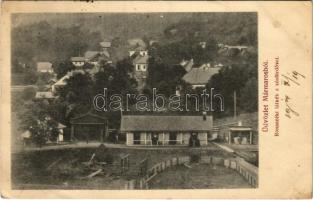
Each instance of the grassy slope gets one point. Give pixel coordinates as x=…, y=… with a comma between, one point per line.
x=32, y=167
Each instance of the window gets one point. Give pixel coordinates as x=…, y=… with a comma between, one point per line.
x=136, y=138
x=138, y=67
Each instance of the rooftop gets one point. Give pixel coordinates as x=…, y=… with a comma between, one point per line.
x=139, y=48
x=44, y=66
x=187, y=64
x=200, y=76
x=62, y=81
x=141, y=59
x=89, y=55
x=105, y=44
x=166, y=123
x=44, y=95
x=106, y=54
x=136, y=42
x=77, y=59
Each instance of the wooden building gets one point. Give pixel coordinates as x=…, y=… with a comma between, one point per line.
x=44, y=67
x=140, y=73
x=89, y=127
x=199, y=77
x=240, y=135
x=78, y=62
x=165, y=129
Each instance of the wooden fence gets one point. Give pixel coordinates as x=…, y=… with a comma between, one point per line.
x=247, y=170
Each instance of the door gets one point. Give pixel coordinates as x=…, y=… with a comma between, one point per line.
x=155, y=139
x=173, y=138
x=193, y=140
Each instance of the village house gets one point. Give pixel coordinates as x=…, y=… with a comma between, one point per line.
x=63, y=81
x=26, y=135
x=104, y=53
x=166, y=129
x=97, y=57
x=220, y=65
x=105, y=45
x=137, y=46
x=187, y=64
x=139, y=50
x=152, y=42
x=241, y=130
x=202, y=45
x=45, y=95
x=225, y=47
x=60, y=83
x=26, y=138
x=141, y=69
x=199, y=77
x=136, y=42
x=105, y=56
x=89, y=127
x=239, y=134
x=241, y=48
x=44, y=67
x=78, y=62
x=52, y=80
x=92, y=57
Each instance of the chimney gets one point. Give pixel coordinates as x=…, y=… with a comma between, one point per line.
x=204, y=115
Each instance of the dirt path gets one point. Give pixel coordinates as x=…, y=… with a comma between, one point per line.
x=109, y=145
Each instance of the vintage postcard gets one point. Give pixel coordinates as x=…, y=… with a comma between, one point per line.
x=156, y=99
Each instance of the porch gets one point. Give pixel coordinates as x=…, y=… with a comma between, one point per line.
x=165, y=138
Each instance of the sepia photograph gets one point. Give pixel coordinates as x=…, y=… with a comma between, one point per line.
x=134, y=101
x=156, y=99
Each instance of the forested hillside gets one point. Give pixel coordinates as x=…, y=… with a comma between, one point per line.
x=49, y=37
x=56, y=38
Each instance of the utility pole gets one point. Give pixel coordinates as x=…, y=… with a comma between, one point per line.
x=235, y=104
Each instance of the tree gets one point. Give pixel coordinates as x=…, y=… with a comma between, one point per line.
x=117, y=79
x=62, y=67
x=78, y=89
x=164, y=77
x=103, y=79
x=122, y=82
x=28, y=93
x=30, y=76
x=35, y=116
x=44, y=130
x=249, y=96
x=228, y=80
